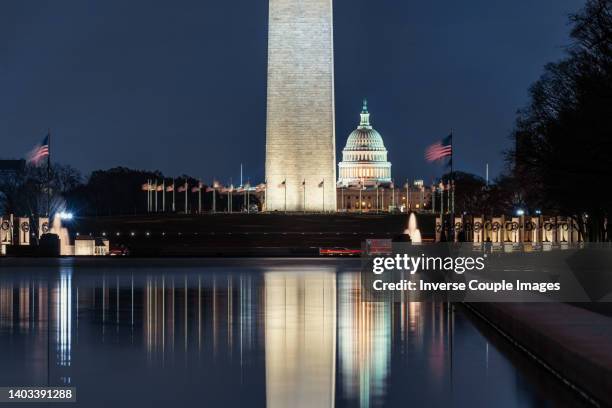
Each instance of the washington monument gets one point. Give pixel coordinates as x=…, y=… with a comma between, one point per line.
x=300, y=131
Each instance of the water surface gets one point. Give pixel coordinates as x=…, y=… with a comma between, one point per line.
x=248, y=332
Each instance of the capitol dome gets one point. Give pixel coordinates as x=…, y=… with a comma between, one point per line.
x=364, y=158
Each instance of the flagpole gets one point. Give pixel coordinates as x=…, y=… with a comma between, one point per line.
x=442, y=201
x=214, y=197
x=155, y=189
x=323, y=194
x=148, y=195
x=433, y=199
x=408, y=202
x=49, y=176
x=452, y=192
x=422, y=197
x=452, y=178
x=264, y=205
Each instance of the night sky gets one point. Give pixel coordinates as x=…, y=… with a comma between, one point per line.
x=182, y=88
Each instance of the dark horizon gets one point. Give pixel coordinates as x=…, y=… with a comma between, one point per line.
x=182, y=89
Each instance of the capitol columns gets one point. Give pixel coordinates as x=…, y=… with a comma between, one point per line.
x=361, y=186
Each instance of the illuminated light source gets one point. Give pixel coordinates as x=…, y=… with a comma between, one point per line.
x=65, y=215
x=520, y=212
x=148, y=233
x=132, y=233
x=538, y=212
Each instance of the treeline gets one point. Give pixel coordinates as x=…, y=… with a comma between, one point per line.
x=474, y=196
x=116, y=191
x=562, y=156
x=32, y=190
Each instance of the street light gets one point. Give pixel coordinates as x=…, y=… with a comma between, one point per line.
x=67, y=216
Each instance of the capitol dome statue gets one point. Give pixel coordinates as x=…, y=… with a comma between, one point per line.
x=364, y=158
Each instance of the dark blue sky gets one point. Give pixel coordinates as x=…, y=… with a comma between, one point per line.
x=180, y=86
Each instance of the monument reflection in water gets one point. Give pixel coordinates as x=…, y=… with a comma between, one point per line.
x=256, y=332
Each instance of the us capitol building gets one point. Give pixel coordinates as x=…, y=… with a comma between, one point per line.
x=364, y=175
x=364, y=158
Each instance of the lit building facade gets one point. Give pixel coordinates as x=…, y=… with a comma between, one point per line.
x=412, y=197
x=364, y=158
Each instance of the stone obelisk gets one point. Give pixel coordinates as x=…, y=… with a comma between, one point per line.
x=300, y=135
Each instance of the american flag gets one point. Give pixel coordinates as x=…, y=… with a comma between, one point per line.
x=197, y=188
x=440, y=150
x=39, y=152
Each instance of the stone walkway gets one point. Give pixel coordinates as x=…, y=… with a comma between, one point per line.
x=573, y=342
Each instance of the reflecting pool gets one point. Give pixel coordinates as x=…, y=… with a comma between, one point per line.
x=248, y=332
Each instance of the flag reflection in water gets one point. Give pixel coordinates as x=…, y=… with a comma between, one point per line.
x=64, y=320
x=196, y=313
